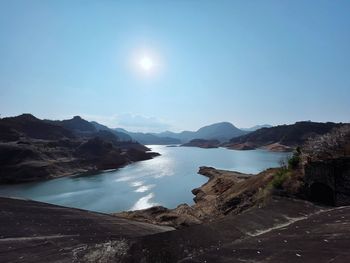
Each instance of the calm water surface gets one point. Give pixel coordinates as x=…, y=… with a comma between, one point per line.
x=165, y=180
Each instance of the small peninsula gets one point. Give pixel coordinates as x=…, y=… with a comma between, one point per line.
x=32, y=149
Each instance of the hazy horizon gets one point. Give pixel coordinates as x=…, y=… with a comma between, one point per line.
x=143, y=130
x=176, y=65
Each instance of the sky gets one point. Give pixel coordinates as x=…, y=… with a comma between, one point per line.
x=176, y=65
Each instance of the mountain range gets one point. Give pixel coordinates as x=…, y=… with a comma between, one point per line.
x=33, y=149
x=222, y=131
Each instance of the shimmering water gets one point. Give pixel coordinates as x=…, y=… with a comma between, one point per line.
x=165, y=180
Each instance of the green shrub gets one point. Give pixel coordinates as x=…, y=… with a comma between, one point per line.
x=279, y=178
x=293, y=162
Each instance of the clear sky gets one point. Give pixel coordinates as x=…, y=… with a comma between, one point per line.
x=181, y=64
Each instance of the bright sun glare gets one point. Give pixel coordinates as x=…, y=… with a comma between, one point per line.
x=146, y=63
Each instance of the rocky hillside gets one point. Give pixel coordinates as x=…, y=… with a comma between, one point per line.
x=121, y=135
x=335, y=144
x=84, y=128
x=282, y=137
x=319, y=170
x=26, y=125
x=33, y=149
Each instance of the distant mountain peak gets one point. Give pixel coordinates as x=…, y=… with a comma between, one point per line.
x=26, y=116
x=223, y=124
x=222, y=131
x=78, y=124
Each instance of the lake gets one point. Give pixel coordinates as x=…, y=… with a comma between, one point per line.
x=166, y=180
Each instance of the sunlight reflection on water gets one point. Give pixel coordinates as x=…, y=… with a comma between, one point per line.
x=144, y=202
x=166, y=180
x=144, y=188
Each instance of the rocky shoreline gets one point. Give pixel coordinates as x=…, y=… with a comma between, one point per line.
x=39, y=160
x=226, y=192
x=273, y=147
x=208, y=144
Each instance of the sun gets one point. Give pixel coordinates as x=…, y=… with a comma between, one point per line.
x=146, y=63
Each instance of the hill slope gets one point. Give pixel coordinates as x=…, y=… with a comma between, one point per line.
x=121, y=135
x=33, y=149
x=283, y=135
x=12, y=128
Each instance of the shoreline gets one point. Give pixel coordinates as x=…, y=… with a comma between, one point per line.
x=234, y=191
x=79, y=172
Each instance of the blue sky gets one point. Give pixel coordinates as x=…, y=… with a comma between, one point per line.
x=247, y=62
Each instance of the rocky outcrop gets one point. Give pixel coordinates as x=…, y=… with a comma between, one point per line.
x=326, y=166
x=226, y=192
x=201, y=143
x=182, y=216
x=328, y=181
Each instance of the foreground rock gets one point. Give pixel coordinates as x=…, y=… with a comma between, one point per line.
x=38, y=232
x=226, y=192
x=284, y=230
